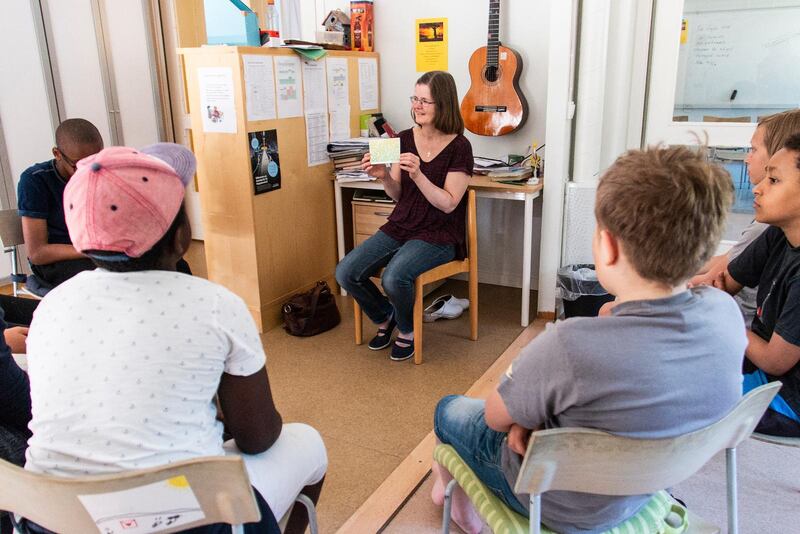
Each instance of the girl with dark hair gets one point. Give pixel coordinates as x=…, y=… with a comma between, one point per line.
x=426, y=228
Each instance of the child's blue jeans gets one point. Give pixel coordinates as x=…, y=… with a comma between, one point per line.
x=404, y=262
x=459, y=421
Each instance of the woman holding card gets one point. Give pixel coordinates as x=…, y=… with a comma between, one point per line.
x=426, y=228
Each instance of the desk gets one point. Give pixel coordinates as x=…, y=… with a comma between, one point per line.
x=485, y=188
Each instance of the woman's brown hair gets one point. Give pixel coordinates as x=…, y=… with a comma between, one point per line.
x=447, y=118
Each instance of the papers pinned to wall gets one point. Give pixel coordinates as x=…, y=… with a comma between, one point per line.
x=216, y=99
x=288, y=84
x=431, y=41
x=317, y=138
x=368, y=83
x=259, y=82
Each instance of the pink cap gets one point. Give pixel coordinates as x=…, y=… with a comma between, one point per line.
x=121, y=200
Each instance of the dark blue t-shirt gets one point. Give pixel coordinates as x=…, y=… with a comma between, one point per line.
x=40, y=195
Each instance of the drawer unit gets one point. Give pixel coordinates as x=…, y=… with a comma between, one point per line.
x=368, y=217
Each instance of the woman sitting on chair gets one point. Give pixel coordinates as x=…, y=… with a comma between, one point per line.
x=426, y=228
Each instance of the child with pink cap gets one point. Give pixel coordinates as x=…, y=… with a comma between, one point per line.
x=126, y=360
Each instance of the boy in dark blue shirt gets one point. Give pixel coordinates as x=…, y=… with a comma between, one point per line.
x=40, y=194
x=772, y=262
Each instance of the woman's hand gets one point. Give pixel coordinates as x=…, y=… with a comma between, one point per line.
x=378, y=171
x=410, y=163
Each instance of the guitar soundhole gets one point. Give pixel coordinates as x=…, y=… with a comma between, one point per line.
x=491, y=73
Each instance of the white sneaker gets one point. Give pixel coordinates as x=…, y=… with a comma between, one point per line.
x=445, y=307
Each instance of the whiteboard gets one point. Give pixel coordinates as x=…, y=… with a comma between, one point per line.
x=755, y=52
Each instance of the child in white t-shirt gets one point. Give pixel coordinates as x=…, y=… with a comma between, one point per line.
x=125, y=361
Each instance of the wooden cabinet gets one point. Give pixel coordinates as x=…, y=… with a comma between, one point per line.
x=368, y=217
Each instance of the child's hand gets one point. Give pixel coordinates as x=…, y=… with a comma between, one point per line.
x=518, y=439
x=719, y=281
x=16, y=338
x=705, y=279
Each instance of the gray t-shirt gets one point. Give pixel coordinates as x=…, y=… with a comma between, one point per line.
x=653, y=369
x=746, y=298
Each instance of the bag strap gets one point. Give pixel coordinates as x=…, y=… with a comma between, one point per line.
x=314, y=302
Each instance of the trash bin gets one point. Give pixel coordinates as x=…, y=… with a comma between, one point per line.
x=580, y=291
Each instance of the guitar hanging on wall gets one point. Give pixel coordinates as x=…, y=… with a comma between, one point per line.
x=494, y=104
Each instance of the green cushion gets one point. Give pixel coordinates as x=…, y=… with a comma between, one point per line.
x=503, y=520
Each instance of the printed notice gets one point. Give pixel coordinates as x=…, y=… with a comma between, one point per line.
x=317, y=138
x=431, y=40
x=259, y=83
x=340, y=124
x=149, y=508
x=368, y=83
x=338, y=83
x=384, y=150
x=287, y=81
x=216, y=99
x=314, y=91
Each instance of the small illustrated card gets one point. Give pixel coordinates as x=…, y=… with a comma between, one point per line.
x=149, y=508
x=384, y=151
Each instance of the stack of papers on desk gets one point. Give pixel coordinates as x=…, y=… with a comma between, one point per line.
x=353, y=176
x=498, y=170
x=356, y=143
x=346, y=157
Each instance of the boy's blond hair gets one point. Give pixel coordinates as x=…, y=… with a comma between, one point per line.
x=667, y=206
x=778, y=128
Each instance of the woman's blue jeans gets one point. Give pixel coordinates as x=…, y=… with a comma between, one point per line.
x=403, y=263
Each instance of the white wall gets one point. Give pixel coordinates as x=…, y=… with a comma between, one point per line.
x=523, y=27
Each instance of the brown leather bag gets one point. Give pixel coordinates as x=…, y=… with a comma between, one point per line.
x=312, y=312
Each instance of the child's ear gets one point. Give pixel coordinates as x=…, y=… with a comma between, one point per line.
x=607, y=248
x=183, y=238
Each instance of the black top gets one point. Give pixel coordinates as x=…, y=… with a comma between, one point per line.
x=773, y=265
x=416, y=218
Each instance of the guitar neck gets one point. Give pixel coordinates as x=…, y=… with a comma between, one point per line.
x=493, y=42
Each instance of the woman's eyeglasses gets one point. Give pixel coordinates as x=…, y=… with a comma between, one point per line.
x=422, y=101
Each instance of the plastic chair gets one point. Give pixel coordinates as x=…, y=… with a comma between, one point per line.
x=467, y=265
x=776, y=440
x=592, y=461
x=11, y=237
x=220, y=484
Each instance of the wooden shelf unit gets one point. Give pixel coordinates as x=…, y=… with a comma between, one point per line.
x=263, y=247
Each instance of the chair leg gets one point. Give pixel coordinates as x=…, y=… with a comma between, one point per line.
x=358, y=323
x=448, y=505
x=733, y=512
x=313, y=526
x=473, y=303
x=535, y=514
x=418, y=322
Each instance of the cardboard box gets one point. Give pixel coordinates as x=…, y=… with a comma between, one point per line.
x=231, y=22
x=361, y=25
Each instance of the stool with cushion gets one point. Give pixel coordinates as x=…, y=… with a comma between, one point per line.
x=591, y=461
x=467, y=265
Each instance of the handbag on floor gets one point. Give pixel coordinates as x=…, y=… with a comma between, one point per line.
x=312, y=312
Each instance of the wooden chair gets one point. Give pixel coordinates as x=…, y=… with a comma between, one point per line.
x=467, y=265
x=11, y=237
x=714, y=118
x=591, y=461
x=220, y=484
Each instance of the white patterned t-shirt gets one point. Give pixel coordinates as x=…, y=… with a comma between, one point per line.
x=124, y=368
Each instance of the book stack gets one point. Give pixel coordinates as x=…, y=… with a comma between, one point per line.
x=346, y=157
x=500, y=171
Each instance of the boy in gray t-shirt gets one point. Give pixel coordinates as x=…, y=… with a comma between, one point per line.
x=664, y=362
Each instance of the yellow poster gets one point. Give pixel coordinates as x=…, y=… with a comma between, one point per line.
x=684, y=30
x=431, y=44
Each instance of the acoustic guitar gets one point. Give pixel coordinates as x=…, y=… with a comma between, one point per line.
x=494, y=104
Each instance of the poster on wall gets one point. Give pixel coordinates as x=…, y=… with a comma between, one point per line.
x=216, y=99
x=431, y=38
x=368, y=83
x=264, y=161
x=287, y=81
x=259, y=83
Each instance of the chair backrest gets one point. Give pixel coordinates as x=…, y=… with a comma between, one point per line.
x=472, y=226
x=10, y=228
x=220, y=484
x=592, y=461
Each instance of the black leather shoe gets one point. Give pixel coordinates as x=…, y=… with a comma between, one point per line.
x=400, y=353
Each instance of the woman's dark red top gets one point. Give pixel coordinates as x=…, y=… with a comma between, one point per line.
x=416, y=218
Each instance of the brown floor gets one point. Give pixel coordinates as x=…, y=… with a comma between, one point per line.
x=370, y=410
